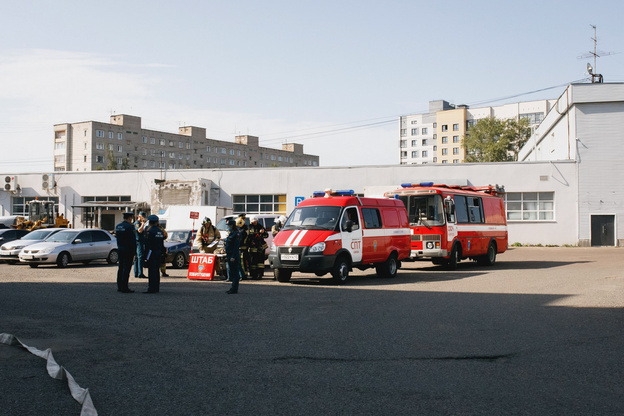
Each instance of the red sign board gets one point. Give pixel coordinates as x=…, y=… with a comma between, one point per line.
x=194, y=215
x=201, y=266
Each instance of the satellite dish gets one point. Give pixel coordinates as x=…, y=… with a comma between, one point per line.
x=590, y=69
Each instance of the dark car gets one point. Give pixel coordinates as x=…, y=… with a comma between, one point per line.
x=10, y=234
x=179, y=244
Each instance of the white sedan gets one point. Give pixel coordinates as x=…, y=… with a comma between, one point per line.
x=9, y=252
x=72, y=246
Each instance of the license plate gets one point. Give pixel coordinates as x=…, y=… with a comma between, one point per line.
x=289, y=257
x=26, y=257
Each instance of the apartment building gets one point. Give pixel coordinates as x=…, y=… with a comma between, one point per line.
x=91, y=145
x=437, y=136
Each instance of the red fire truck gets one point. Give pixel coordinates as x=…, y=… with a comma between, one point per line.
x=451, y=223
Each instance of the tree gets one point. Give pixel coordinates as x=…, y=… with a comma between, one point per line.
x=494, y=140
x=112, y=163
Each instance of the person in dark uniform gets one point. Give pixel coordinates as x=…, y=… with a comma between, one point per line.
x=232, y=253
x=126, y=247
x=256, y=247
x=154, y=248
x=139, y=229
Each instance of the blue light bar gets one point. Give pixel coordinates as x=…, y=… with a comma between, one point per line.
x=317, y=194
x=411, y=185
x=345, y=192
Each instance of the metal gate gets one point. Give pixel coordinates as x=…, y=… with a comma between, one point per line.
x=602, y=230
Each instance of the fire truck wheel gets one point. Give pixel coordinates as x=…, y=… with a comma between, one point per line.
x=282, y=275
x=340, y=273
x=451, y=263
x=389, y=268
x=490, y=258
x=62, y=260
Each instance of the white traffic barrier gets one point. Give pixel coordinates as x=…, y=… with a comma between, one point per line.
x=58, y=372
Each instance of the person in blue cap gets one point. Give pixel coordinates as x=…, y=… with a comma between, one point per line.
x=126, y=247
x=154, y=249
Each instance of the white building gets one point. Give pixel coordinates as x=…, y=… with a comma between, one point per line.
x=564, y=191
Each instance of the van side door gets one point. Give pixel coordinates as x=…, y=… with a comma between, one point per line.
x=351, y=232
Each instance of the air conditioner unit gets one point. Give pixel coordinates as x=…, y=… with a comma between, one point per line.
x=47, y=181
x=10, y=183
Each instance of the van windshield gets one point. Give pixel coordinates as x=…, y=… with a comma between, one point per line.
x=313, y=218
x=424, y=210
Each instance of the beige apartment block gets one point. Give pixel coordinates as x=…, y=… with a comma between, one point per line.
x=445, y=126
x=91, y=145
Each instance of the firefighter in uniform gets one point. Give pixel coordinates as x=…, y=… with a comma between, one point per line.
x=154, y=247
x=206, y=235
x=257, y=246
x=244, y=253
x=279, y=223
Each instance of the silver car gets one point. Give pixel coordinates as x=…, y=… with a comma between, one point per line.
x=9, y=252
x=72, y=246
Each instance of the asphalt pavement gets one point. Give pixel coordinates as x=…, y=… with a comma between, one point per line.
x=538, y=333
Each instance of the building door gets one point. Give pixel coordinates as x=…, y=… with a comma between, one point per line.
x=602, y=230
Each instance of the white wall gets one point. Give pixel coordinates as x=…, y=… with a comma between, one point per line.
x=558, y=177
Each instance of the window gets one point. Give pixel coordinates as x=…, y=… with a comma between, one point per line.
x=180, y=145
x=444, y=162
x=111, y=147
x=59, y=146
x=99, y=133
x=188, y=146
x=424, y=142
x=455, y=160
x=414, y=121
x=119, y=136
x=413, y=143
x=119, y=148
x=119, y=161
x=232, y=152
x=435, y=159
x=403, y=155
x=171, y=155
x=414, y=132
x=180, y=156
x=152, y=164
x=444, y=151
x=435, y=148
x=144, y=151
x=534, y=118
x=444, y=139
x=530, y=206
x=455, y=139
x=161, y=142
x=99, y=159
x=468, y=209
x=424, y=130
x=372, y=218
x=403, y=143
x=207, y=149
x=145, y=139
x=435, y=125
x=84, y=158
x=152, y=140
x=20, y=203
x=223, y=151
x=111, y=135
x=99, y=146
x=259, y=204
x=456, y=150
x=444, y=127
x=145, y=163
x=415, y=154
x=424, y=153
x=455, y=127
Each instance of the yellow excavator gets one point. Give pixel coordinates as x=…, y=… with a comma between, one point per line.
x=41, y=214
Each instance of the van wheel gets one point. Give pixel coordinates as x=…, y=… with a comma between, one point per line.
x=62, y=260
x=490, y=257
x=451, y=263
x=282, y=275
x=340, y=272
x=389, y=268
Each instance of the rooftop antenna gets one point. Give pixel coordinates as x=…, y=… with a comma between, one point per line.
x=596, y=54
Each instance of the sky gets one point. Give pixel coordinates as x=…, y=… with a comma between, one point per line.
x=334, y=76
